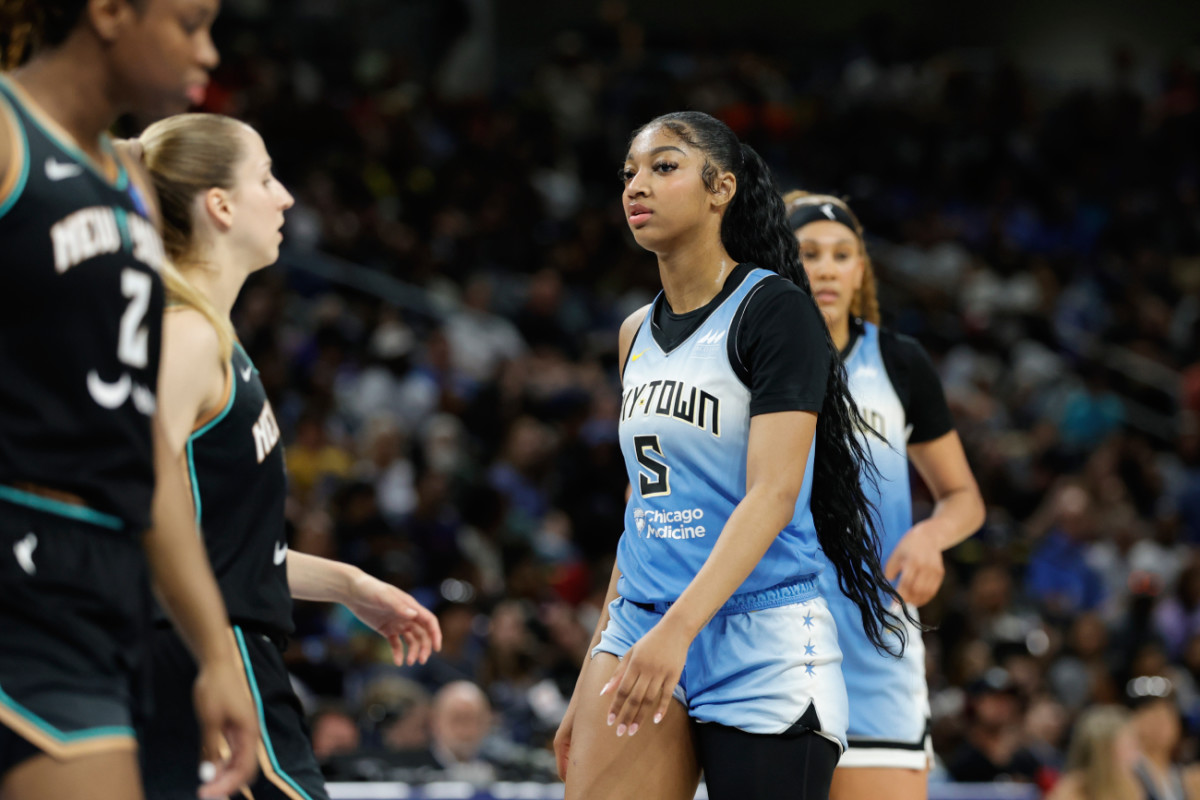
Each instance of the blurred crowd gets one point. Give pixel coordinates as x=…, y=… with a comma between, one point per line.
x=1042, y=240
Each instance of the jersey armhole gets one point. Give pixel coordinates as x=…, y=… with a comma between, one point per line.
x=897, y=372
x=641, y=323
x=221, y=406
x=733, y=343
x=12, y=183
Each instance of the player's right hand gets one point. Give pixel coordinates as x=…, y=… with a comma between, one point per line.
x=562, y=741
x=228, y=729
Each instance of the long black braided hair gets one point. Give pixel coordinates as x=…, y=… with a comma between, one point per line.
x=755, y=230
x=28, y=25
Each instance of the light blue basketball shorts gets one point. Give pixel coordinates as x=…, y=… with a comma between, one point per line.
x=889, y=698
x=759, y=664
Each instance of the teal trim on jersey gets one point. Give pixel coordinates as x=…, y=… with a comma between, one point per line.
x=211, y=424
x=19, y=186
x=262, y=719
x=122, y=181
x=245, y=355
x=59, y=508
x=123, y=227
x=55, y=733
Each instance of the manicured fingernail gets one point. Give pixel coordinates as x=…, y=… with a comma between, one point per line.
x=208, y=771
x=658, y=718
x=611, y=719
x=633, y=729
x=621, y=729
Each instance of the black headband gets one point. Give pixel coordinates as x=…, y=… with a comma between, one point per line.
x=812, y=212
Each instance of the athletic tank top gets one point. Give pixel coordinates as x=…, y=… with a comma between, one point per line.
x=881, y=408
x=239, y=485
x=81, y=306
x=684, y=432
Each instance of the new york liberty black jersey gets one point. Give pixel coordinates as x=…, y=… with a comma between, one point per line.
x=81, y=307
x=684, y=432
x=239, y=485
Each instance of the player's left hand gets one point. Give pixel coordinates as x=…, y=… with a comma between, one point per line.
x=411, y=629
x=646, y=678
x=917, y=559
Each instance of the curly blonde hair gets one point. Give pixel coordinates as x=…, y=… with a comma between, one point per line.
x=865, y=303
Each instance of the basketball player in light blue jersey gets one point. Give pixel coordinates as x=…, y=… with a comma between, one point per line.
x=737, y=430
x=900, y=397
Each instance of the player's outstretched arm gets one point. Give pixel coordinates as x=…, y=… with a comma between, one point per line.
x=411, y=629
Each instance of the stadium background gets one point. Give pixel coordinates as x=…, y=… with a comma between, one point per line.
x=439, y=336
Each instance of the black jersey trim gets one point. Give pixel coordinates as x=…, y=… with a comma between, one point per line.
x=870, y=743
x=47, y=125
x=212, y=423
x=61, y=509
x=731, y=345
x=718, y=301
x=21, y=150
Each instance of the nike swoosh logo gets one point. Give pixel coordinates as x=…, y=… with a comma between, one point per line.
x=280, y=553
x=246, y=373
x=637, y=356
x=109, y=395
x=23, y=550
x=60, y=171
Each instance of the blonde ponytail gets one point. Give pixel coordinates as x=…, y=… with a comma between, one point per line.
x=188, y=154
x=181, y=292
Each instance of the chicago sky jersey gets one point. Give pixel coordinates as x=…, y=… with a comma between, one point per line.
x=81, y=307
x=684, y=432
x=899, y=395
x=881, y=408
x=235, y=462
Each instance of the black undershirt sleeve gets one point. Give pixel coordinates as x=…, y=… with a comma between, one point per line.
x=779, y=349
x=917, y=383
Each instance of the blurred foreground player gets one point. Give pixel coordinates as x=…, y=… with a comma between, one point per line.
x=88, y=491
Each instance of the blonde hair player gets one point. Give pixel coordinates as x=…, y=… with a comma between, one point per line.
x=89, y=494
x=900, y=397
x=223, y=211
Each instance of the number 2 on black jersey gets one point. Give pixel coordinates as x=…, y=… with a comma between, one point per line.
x=660, y=483
x=132, y=345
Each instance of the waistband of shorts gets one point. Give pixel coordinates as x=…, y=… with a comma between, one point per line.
x=59, y=504
x=276, y=638
x=782, y=594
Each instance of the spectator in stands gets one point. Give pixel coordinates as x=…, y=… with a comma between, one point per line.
x=1157, y=728
x=993, y=749
x=1059, y=577
x=1101, y=759
x=334, y=733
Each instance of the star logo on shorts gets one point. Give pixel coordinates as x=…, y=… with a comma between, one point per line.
x=808, y=620
x=810, y=649
x=809, y=669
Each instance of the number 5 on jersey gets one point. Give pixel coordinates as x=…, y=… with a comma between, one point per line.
x=658, y=481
